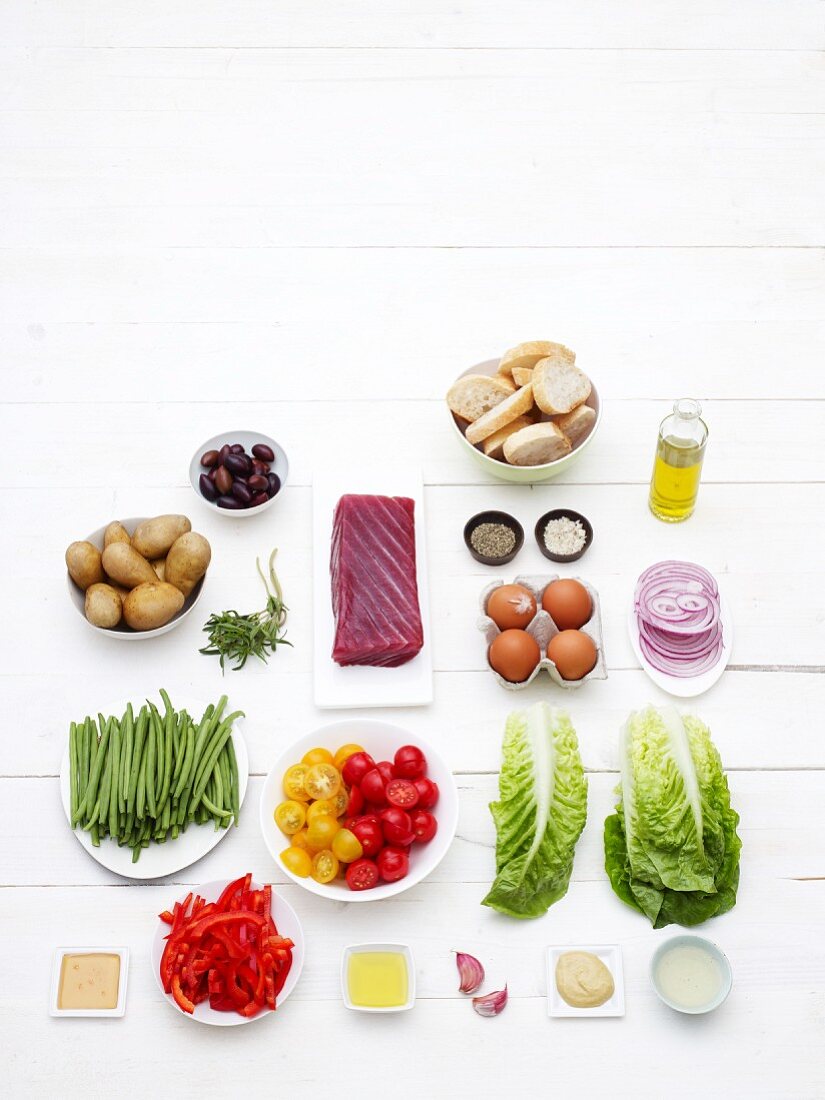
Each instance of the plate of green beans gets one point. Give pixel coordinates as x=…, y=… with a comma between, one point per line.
x=150, y=788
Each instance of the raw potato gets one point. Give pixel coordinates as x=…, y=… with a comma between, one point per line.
x=125, y=565
x=151, y=605
x=187, y=561
x=103, y=606
x=115, y=532
x=153, y=537
x=84, y=564
x=159, y=567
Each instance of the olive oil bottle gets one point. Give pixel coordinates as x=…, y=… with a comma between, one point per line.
x=680, y=450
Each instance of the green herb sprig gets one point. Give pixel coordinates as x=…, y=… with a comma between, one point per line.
x=237, y=637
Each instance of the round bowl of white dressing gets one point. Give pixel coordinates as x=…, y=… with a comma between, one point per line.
x=691, y=974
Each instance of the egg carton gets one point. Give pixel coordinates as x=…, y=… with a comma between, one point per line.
x=542, y=628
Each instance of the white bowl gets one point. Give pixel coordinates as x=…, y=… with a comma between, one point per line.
x=525, y=475
x=722, y=961
x=380, y=739
x=247, y=440
x=287, y=924
x=122, y=631
x=362, y=948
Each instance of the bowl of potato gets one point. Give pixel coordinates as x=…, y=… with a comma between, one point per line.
x=528, y=416
x=139, y=577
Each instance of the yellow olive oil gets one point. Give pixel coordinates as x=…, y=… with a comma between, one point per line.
x=377, y=979
x=680, y=450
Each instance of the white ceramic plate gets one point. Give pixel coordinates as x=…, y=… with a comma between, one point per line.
x=123, y=632
x=611, y=955
x=380, y=739
x=247, y=440
x=409, y=685
x=158, y=860
x=287, y=923
x=688, y=686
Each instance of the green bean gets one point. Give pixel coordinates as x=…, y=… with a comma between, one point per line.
x=114, y=789
x=106, y=781
x=224, y=731
x=94, y=780
x=168, y=749
x=151, y=762
x=215, y=810
x=188, y=757
x=140, y=734
x=73, y=768
x=218, y=778
x=128, y=727
x=140, y=790
x=85, y=764
x=235, y=793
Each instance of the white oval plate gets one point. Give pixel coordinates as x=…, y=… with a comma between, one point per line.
x=158, y=860
x=287, y=923
x=688, y=686
x=380, y=739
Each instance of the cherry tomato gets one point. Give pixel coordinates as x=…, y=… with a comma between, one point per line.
x=396, y=825
x=318, y=807
x=346, y=846
x=294, y=782
x=340, y=801
x=322, y=781
x=299, y=840
x=410, y=762
x=290, y=817
x=362, y=875
x=393, y=864
x=316, y=756
x=324, y=867
x=321, y=831
x=373, y=788
x=427, y=792
x=356, y=767
x=355, y=804
x=369, y=833
x=344, y=753
x=424, y=826
x=297, y=861
x=385, y=767
x=401, y=792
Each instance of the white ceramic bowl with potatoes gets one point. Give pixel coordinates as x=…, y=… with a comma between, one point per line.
x=524, y=475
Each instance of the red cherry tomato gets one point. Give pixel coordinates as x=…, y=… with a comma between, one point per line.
x=356, y=767
x=386, y=769
x=370, y=834
x=373, y=787
x=401, y=792
x=355, y=804
x=424, y=826
x=362, y=875
x=427, y=792
x=397, y=826
x=410, y=762
x=393, y=864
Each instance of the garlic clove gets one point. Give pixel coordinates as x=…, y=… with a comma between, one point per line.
x=491, y=1004
x=470, y=971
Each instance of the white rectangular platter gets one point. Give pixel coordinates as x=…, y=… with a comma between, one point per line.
x=408, y=685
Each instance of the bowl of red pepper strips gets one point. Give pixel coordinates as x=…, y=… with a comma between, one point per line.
x=228, y=954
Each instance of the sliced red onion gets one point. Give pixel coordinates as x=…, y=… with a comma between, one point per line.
x=678, y=618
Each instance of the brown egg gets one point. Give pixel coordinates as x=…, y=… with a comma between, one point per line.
x=511, y=607
x=514, y=654
x=567, y=603
x=574, y=654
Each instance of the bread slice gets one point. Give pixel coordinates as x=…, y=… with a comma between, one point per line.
x=577, y=424
x=559, y=386
x=517, y=404
x=527, y=355
x=533, y=446
x=494, y=444
x=475, y=394
x=522, y=376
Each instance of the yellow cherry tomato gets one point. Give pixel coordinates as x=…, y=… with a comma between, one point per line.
x=339, y=803
x=294, y=780
x=322, y=781
x=299, y=840
x=298, y=861
x=321, y=832
x=290, y=817
x=324, y=867
x=320, y=806
x=344, y=753
x=346, y=846
x=316, y=756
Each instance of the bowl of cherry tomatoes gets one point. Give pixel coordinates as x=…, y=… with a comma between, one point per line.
x=359, y=810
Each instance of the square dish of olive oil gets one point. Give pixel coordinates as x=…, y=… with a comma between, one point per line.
x=378, y=977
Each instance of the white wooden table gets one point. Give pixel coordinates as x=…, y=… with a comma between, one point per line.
x=308, y=218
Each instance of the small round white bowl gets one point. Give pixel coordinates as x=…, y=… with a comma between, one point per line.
x=524, y=475
x=380, y=739
x=287, y=923
x=123, y=632
x=722, y=961
x=247, y=440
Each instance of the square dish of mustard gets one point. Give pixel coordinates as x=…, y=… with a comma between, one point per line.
x=89, y=981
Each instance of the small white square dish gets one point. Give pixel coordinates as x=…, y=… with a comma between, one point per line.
x=97, y=969
x=376, y=975
x=611, y=955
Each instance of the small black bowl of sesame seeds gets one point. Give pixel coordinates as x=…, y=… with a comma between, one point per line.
x=563, y=535
x=493, y=538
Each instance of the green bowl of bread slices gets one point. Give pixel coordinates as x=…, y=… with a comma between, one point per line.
x=528, y=416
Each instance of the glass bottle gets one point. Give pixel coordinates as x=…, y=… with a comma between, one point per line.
x=680, y=450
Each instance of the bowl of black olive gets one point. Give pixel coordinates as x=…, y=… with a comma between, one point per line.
x=239, y=472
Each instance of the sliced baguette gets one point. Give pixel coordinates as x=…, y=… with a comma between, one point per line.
x=494, y=444
x=475, y=394
x=559, y=386
x=517, y=404
x=527, y=355
x=522, y=376
x=577, y=424
x=537, y=444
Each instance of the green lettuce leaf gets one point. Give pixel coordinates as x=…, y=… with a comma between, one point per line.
x=540, y=814
x=671, y=849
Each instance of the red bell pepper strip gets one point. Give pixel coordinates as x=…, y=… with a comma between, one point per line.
x=181, y=1000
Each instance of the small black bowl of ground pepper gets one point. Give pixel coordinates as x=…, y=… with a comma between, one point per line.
x=493, y=538
x=563, y=535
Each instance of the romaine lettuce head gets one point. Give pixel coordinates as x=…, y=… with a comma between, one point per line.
x=540, y=813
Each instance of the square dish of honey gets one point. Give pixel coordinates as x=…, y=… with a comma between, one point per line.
x=89, y=981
